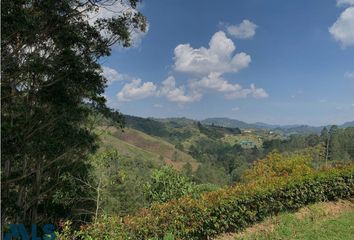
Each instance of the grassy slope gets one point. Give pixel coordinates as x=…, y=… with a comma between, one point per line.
x=321, y=221
x=136, y=144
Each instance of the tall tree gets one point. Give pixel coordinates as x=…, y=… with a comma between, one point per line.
x=50, y=73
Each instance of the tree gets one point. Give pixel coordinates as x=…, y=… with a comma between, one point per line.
x=187, y=170
x=51, y=82
x=312, y=140
x=207, y=173
x=276, y=165
x=167, y=184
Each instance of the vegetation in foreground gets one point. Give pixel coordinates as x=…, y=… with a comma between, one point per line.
x=230, y=209
x=57, y=169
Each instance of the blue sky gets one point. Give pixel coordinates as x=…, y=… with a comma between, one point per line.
x=274, y=61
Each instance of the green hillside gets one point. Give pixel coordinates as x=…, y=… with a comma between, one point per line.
x=136, y=144
x=321, y=221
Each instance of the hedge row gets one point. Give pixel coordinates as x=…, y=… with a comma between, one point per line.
x=235, y=208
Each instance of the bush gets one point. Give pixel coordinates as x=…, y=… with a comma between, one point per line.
x=234, y=208
x=167, y=184
x=230, y=209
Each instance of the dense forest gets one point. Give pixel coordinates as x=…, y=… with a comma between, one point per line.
x=94, y=173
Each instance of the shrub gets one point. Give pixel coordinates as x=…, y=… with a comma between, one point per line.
x=234, y=208
x=229, y=209
x=276, y=164
x=167, y=184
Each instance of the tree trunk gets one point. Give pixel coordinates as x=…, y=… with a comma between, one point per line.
x=97, y=200
x=37, y=192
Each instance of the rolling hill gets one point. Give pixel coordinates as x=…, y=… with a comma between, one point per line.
x=286, y=129
x=136, y=144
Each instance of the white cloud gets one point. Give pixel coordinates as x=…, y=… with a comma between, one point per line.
x=349, y=74
x=207, y=66
x=136, y=90
x=214, y=81
x=112, y=75
x=345, y=2
x=343, y=29
x=157, y=105
x=177, y=94
x=217, y=58
x=245, y=92
x=258, y=92
x=244, y=30
x=352, y=104
x=235, y=109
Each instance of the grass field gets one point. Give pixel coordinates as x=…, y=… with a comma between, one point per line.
x=322, y=221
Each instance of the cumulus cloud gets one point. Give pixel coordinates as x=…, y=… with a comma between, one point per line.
x=246, y=29
x=349, y=74
x=157, y=105
x=112, y=75
x=217, y=58
x=177, y=94
x=343, y=29
x=245, y=92
x=205, y=67
x=235, y=109
x=214, y=81
x=258, y=92
x=345, y=2
x=136, y=90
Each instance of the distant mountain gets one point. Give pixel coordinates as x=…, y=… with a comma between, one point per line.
x=347, y=124
x=287, y=129
x=179, y=121
x=231, y=123
x=266, y=125
x=162, y=127
x=300, y=129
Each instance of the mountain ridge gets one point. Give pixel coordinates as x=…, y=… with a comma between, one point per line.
x=234, y=123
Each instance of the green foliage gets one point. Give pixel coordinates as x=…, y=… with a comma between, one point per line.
x=276, y=165
x=147, y=126
x=167, y=184
x=207, y=173
x=231, y=209
x=337, y=145
x=187, y=170
x=120, y=180
x=293, y=143
x=222, y=154
x=106, y=228
x=199, y=189
x=50, y=73
x=237, y=207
